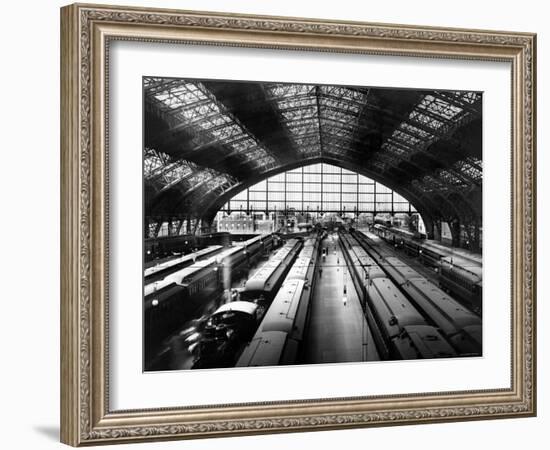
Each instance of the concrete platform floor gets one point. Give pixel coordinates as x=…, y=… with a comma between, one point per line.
x=338, y=331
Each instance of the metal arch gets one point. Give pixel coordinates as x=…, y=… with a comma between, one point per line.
x=325, y=128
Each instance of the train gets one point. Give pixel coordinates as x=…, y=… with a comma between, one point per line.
x=398, y=329
x=160, y=270
x=186, y=293
x=460, y=326
x=225, y=335
x=163, y=246
x=280, y=335
x=459, y=272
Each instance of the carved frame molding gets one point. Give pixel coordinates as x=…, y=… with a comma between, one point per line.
x=86, y=31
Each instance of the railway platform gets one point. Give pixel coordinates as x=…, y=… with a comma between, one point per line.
x=338, y=331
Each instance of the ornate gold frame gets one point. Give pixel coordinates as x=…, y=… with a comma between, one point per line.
x=86, y=31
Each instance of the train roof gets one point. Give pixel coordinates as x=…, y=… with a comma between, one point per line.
x=398, y=268
x=177, y=277
x=258, y=280
x=471, y=257
x=473, y=274
x=475, y=332
x=240, y=306
x=181, y=259
x=252, y=240
x=446, y=305
x=281, y=312
x=394, y=302
x=303, y=262
x=265, y=349
x=162, y=296
x=300, y=268
x=428, y=342
x=464, y=266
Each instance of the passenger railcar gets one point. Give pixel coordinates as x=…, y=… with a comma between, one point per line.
x=461, y=326
x=168, y=301
x=267, y=280
x=392, y=312
x=286, y=319
x=188, y=292
x=389, y=313
x=422, y=341
x=280, y=335
x=462, y=282
x=158, y=271
x=459, y=273
x=234, y=323
x=162, y=246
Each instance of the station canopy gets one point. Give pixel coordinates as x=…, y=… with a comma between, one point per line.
x=206, y=141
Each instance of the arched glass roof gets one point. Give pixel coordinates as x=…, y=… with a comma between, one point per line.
x=207, y=140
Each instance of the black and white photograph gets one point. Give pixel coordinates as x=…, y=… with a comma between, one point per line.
x=291, y=223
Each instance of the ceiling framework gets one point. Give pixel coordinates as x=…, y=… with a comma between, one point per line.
x=207, y=140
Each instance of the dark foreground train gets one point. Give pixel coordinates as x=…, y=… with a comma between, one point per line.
x=188, y=292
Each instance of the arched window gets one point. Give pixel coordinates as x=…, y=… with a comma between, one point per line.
x=317, y=190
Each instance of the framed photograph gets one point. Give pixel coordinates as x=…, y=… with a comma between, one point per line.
x=275, y=224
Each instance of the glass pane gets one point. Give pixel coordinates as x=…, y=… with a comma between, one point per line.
x=382, y=189
x=398, y=207
x=294, y=177
x=279, y=177
x=240, y=196
x=366, y=187
x=276, y=196
x=294, y=187
x=366, y=198
x=331, y=188
x=366, y=207
x=310, y=187
x=349, y=179
x=312, y=196
x=349, y=197
x=312, y=177
x=257, y=196
x=294, y=196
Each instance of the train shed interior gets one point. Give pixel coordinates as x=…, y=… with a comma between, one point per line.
x=306, y=224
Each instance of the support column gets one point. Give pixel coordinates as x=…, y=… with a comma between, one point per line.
x=158, y=226
x=436, y=227
x=454, y=225
x=146, y=227
x=430, y=228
